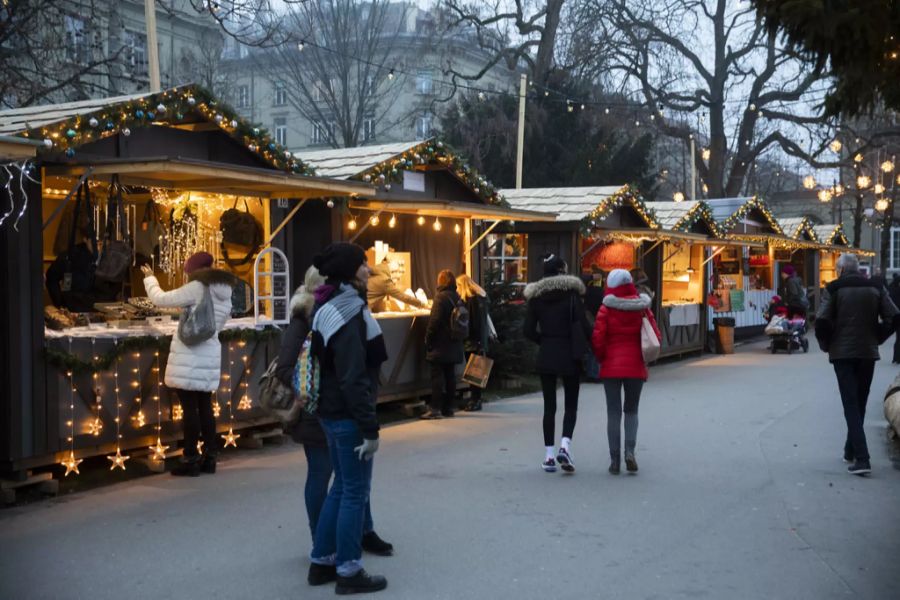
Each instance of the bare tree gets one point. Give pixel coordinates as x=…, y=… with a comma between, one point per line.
x=709, y=65
x=249, y=22
x=339, y=72
x=53, y=47
x=203, y=65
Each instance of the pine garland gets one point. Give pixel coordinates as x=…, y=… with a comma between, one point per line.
x=625, y=195
x=66, y=362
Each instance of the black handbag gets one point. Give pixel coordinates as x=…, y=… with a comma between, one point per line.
x=117, y=255
x=240, y=228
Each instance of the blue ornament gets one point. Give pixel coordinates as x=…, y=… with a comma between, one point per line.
x=110, y=125
x=70, y=133
x=272, y=146
x=139, y=114
x=70, y=152
x=151, y=115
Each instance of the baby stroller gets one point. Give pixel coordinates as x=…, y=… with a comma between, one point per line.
x=786, y=328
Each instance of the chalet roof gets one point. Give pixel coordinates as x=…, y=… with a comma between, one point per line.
x=795, y=226
x=19, y=120
x=679, y=216
x=344, y=163
x=730, y=211
x=831, y=234
x=571, y=203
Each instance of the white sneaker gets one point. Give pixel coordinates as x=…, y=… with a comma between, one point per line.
x=565, y=460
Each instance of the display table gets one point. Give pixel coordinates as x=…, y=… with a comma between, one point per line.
x=406, y=374
x=681, y=328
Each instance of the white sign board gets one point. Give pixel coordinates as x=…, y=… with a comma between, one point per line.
x=414, y=181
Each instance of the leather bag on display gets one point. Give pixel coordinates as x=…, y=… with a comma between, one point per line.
x=240, y=228
x=116, y=256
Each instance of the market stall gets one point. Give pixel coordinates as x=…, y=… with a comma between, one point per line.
x=804, y=257
x=678, y=266
x=834, y=242
x=429, y=212
x=84, y=351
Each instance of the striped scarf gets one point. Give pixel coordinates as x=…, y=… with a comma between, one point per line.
x=339, y=310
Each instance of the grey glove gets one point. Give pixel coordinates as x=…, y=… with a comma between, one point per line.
x=367, y=450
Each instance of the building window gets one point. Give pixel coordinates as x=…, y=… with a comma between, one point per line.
x=136, y=52
x=243, y=96
x=368, y=130
x=281, y=130
x=895, y=248
x=76, y=39
x=322, y=133
x=507, y=256
x=280, y=93
x=424, y=125
x=424, y=82
x=323, y=90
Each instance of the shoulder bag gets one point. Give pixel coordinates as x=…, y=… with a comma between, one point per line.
x=116, y=256
x=650, y=346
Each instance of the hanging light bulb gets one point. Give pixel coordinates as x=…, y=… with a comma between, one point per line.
x=836, y=146
x=825, y=195
x=678, y=197
x=887, y=166
x=374, y=221
x=391, y=75
x=858, y=158
x=437, y=224
x=300, y=46
x=838, y=189
x=393, y=222
x=879, y=189
x=707, y=153
x=420, y=221
x=457, y=229
x=351, y=225
x=809, y=182
x=881, y=205
x=863, y=181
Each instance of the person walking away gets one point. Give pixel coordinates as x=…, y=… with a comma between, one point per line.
x=444, y=350
x=894, y=292
x=348, y=344
x=307, y=430
x=475, y=298
x=847, y=328
x=617, y=345
x=793, y=293
x=194, y=372
x=556, y=321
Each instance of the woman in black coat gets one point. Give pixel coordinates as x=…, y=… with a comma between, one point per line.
x=556, y=321
x=477, y=343
x=442, y=351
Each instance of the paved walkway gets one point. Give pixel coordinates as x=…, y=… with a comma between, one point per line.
x=741, y=494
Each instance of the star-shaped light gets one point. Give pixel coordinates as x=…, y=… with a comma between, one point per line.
x=217, y=409
x=71, y=464
x=159, y=451
x=95, y=427
x=245, y=403
x=230, y=438
x=177, y=412
x=118, y=460
x=140, y=419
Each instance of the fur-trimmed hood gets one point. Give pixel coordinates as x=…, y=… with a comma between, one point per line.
x=304, y=300
x=642, y=302
x=555, y=283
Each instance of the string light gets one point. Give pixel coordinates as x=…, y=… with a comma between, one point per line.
x=374, y=220
x=879, y=189
x=863, y=181
x=457, y=229
x=391, y=75
x=858, y=158
x=230, y=437
x=836, y=146
x=678, y=197
x=300, y=46
x=96, y=426
x=245, y=402
x=437, y=224
x=139, y=418
x=420, y=221
x=881, y=205
x=707, y=153
x=351, y=225
x=71, y=463
x=838, y=189
x=118, y=459
x=159, y=450
x=392, y=222
x=809, y=182
x=825, y=195
x=887, y=166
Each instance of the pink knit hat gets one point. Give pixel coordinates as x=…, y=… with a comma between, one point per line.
x=197, y=261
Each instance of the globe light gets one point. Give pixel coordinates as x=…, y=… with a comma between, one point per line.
x=420, y=221
x=838, y=189
x=437, y=225
x=374, y=220
x=836, y=146
x=678, y=197
x=881, y=205
x=809, y=182
x=393, y=222
x=863, y=181
x=457, y=229
x=706, y=153
x=887, y=166
x=825, y=195
x=879, y=189
x=351, y=225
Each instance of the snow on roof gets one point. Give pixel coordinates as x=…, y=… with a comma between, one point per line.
x=18, y=120
x=571, y=203
x=344, y=163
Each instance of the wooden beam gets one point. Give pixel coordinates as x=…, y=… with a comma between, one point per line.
x=284, y=222
x=490, y=228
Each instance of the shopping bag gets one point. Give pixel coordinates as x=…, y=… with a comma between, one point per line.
x=650, y=346
x=478, y=370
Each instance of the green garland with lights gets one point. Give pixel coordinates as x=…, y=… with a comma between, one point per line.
x=700, y=212
x=625, y=195
x=429, y=152
x=169, y=107
x=64, y=361
x=757, y=203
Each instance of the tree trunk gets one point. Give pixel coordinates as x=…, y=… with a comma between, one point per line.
x=886, y=224
x=858, y=220
x=544, y=60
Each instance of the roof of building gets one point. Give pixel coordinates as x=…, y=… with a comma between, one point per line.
x=729, y=211
x=19, y=120
x=679, y=216
x=795, y=226
x=571, y=203
x=831, y=234
x=723, y=208
x=344, y=163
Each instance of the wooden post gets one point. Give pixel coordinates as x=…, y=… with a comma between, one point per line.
x=520, y=146
x=152, y=46
x=467, y=244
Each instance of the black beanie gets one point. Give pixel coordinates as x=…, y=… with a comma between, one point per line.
x=340, y=260
x=554, y=265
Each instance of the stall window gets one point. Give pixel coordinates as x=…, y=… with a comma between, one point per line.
x=76, y=39
x=243, y=96
x=136, y=52
x=507, y=254
x=424, y=125
x=368, y=130
x=760, y=273
x=322, y=133
x=281, y=130
x=280, y=93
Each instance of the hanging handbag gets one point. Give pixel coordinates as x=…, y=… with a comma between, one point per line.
x=116, y=257
x=198, y=323
x=151, y=227
x=478, y=370
x=240, y=228
x=650, y=346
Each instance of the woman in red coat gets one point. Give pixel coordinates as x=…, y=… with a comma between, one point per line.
x=617, y=346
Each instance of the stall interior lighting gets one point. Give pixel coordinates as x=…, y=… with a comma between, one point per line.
x=375, y=220
x=420, y=221
x=352, y=225
x=457, y=229
x=393, y=222
x=437, y=224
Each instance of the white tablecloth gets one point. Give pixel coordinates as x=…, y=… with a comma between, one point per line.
x=682, y=315
x=102, y=331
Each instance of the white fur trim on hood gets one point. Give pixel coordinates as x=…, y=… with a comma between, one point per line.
x=556, y=283
x=642, y=302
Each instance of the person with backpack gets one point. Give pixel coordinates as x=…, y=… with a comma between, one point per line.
x=194, y=366
x=617, y=345
x=307, y=430
x=448, y=327
x=349, y=347
x=793, y=292
x=475, y=298
x=556, y=321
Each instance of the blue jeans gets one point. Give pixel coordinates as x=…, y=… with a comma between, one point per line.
x=338, y=538
x=318, y=475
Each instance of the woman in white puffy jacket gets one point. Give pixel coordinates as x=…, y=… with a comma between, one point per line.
x=194, y=372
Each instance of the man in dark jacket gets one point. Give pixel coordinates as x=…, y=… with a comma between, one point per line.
x=793, y=292
x=381, y=288
x=847, y=327
x=442, y=350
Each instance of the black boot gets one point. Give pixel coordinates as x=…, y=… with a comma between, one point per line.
x=631, y=462
x=373, y=544
x=473, y=405
x=321, y=574
x=861, y=467
x=361, y=583
x=615, y=463
x=188, y=467
x=208, y=464
x=431, y=414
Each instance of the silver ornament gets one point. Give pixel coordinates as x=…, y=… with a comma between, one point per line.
x=288, y=154
x=219, y=118
x=234, y=123
x=191, y=100
x=48, y=142
x=93, y=122
x=161, y=108
x=387, y=187
x=252, y=147
x=330, y=204
x=126, y=132
x=367, y=178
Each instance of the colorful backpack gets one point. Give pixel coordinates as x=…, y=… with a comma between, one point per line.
x=306, y=377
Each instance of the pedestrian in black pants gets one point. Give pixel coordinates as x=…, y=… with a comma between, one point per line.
x=556, y=321
x=847, y=327
x=476, y=300
x=444, y=352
